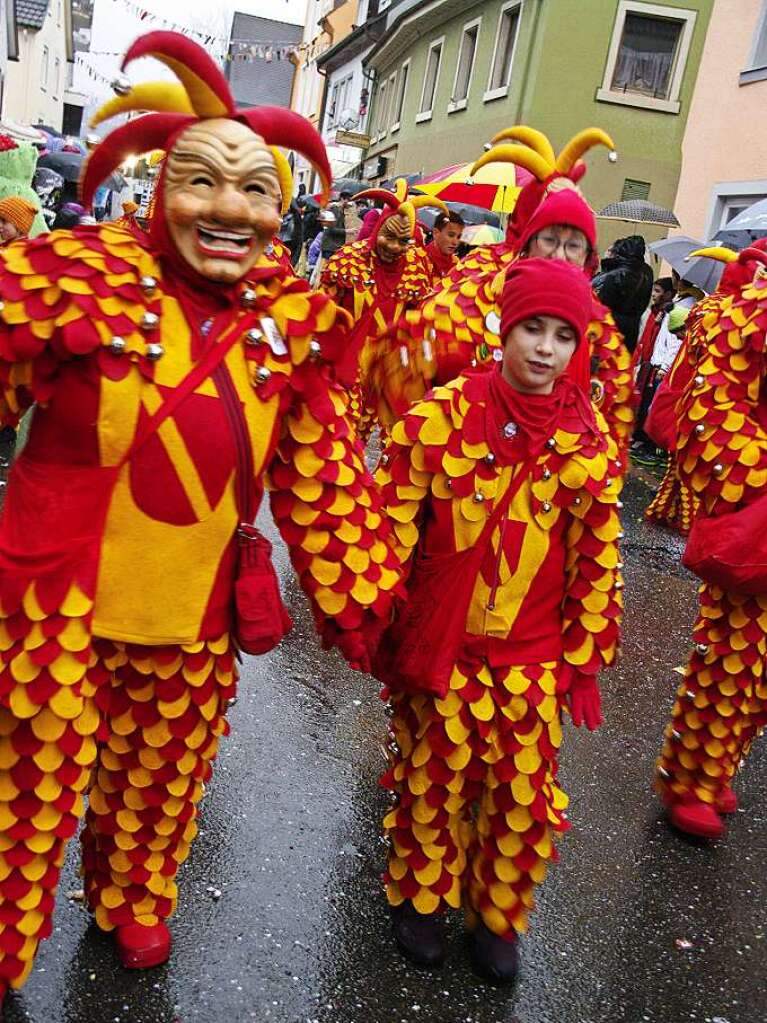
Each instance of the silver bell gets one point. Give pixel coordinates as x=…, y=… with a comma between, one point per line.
x=121, y=85
x=546, y=507
x=546, y=474
x=254, y=336
x=154, y=352
x=578, y=501
x=148, y=283
x=699, y=380
x=117, y=345
x=717, y=469
x=489, y=458
x=150, y=321
x=550, y=443
x=92, y=140
x=701, y=648
x=315, y=349
x=263, y=374
x=699, y=429
x=479, y=497
x=248, y=298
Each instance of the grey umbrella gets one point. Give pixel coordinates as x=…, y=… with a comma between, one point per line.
x=470, y=214
x=638, y=211
x=747, y=227
x=69, y=165
x=701, y=271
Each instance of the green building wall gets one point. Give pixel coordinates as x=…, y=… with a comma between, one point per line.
x=559, y=63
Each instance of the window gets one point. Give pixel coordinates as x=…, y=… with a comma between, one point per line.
x=381, y=111
x=400, y=103
x=44, y=68
x=333, y=105
x=430, y=80
x=503, y=53
x=391, y=98
x=648, y=55
x=633, y=189
x=728, y=200
x=57, y=76
x=463, y=72
x=756, y=71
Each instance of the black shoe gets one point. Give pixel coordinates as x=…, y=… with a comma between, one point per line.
x=494, y=958
x=419, y=935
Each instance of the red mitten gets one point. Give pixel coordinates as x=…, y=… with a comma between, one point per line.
x=584, y=701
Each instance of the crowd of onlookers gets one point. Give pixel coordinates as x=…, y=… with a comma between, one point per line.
x=651, y=315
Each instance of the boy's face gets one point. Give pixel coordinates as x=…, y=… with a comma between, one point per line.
x=447, y=239
x=536, y=352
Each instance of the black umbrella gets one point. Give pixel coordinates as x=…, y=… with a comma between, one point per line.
x=48, y=130
x=470, y=214
x=69, y=165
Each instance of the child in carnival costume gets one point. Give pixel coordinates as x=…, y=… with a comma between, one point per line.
x=551, y=220
x=721, y=705
x=502, y=489
x=175, y=380
x=377, y=280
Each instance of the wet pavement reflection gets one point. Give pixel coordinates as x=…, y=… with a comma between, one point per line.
x=282, y=917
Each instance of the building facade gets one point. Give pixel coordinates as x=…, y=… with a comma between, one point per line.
x=36, y=82
x=724, y=153
x=259, y=70
x=449, y=74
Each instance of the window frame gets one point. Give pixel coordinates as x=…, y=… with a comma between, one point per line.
x=503, y=90
x=426, y=115
x=756, y=70
x=722, y=196
x=381, y=100
x=56, y=76
x=45, y=61
x=399, y=109
x=461, y=104
x=687, y=18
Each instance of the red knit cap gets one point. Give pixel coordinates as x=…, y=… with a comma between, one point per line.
x=564, y=207
x=546, y=287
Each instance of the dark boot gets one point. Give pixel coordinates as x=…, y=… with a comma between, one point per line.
x=419, y=935
x=493, y=958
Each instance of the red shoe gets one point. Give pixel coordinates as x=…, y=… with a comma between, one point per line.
x=141, y=947
x=727, y=801
x=698, y=818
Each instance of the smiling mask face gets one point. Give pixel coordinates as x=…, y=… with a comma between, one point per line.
x=221, y=199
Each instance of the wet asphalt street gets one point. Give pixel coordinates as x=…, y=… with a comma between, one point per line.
x=282, y=917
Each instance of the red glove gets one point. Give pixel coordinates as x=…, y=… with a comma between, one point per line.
x=584, y=701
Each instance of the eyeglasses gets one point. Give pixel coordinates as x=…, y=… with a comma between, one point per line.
x=575, y=249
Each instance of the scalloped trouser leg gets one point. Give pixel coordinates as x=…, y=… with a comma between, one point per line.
x=720, y=705
x=674, y=505
x=166, y=713
x=477, y=799
x=149, y=720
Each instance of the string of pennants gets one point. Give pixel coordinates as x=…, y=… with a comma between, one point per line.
x=238, y=49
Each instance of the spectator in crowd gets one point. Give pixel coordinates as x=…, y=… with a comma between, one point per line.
x=369, y=221
x=440, y=253
x=661, y=301
x=624, y=284
x=336, y=234
x=292, y=231
x=661, y=361
x=16, y=217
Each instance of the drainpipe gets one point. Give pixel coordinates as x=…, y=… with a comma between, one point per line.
x=523, y=93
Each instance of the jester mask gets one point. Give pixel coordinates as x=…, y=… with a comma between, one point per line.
x=224, y=183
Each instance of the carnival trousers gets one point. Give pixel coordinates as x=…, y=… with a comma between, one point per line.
x=477, y=804
x=138, y=732
x=722, y=703
x=674, y=505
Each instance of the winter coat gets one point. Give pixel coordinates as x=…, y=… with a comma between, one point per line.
x=624, y=284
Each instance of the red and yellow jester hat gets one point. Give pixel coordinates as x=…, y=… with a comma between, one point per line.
x=399, y=203
x=203, y=93
x=552, y=172
x=740, y=267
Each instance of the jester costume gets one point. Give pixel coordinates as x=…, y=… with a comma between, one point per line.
x=377, y=293
x=439, y=264
x=458, y=324
x=722, y=455
x=542, y=620
x=117, y=574
x=675, y=504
